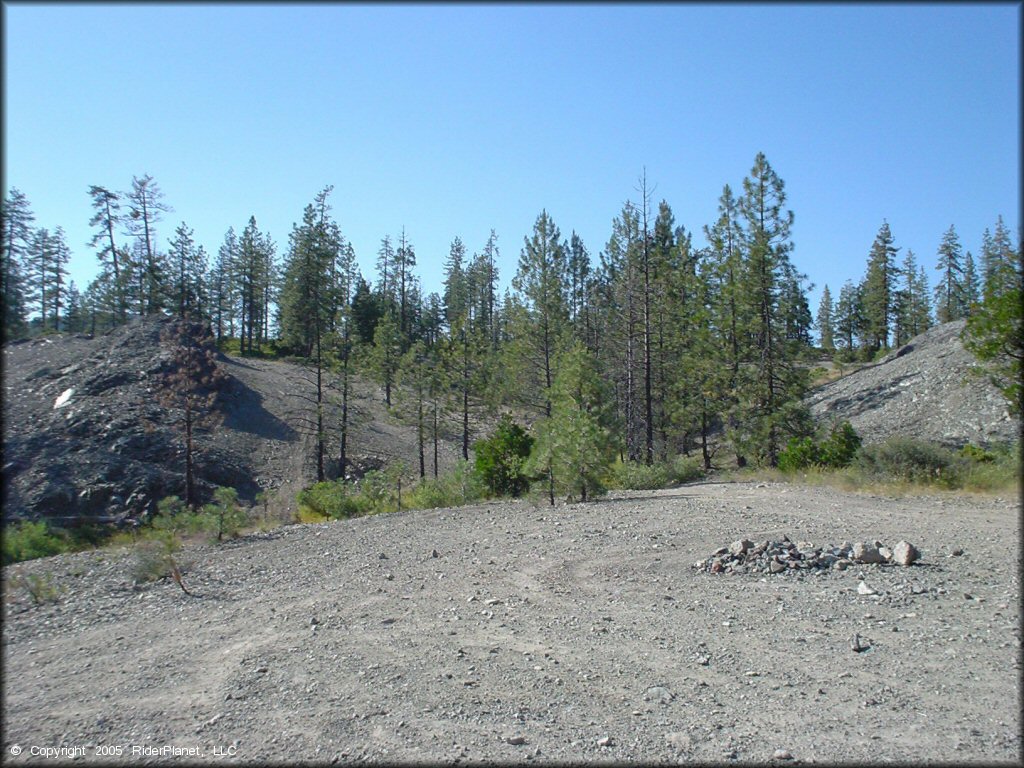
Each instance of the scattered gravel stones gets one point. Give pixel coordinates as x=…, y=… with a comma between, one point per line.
x=784, y=556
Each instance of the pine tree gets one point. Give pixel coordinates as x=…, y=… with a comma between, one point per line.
x=540, y=282
x=221, y=281
x=732, y=313
x=456, y=297
x=74, y=315
x=776, y=381
x=949, y=293
x=39, y=257
x=58, y=272
x=190, y=386
x=574, y=445
x=825, y=328
x=848, y=321
x=999, y=260
x=107, y=218
x=17, y=218
x=189, y=266
x=972, y=285
x=386, y=352
x=145, y=206
x=879, y=288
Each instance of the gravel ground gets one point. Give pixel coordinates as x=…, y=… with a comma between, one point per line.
x=511, y=633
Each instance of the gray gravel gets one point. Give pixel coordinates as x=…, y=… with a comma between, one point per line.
x=510, y=633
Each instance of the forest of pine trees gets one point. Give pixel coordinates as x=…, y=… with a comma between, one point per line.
x=642, y=351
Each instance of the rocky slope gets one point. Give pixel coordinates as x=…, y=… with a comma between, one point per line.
x=507, y=633
x=86, y=439
x=932, y=388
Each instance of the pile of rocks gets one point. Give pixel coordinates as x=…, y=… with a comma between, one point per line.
x=785, y=556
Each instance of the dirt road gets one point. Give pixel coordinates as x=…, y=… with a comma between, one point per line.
x=511, y=633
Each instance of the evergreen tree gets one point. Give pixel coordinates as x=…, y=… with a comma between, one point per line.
x=190, y=386
x=949, y=293
x=58, y=272
x=972, y=285
x=145, y=206
x=848, y=322
x=74, y=315
x=825, y=328
x=386, y=352
x=995, y=329
x=456, y=297
x=879, y=288
x=17, y=218
x=189, y=267
x=540, y=282
x=107, y=217
x=366, y=311
x=998, y=261
x=914, y=314
x=38, y=271
x=776, y=381
x=574, y=445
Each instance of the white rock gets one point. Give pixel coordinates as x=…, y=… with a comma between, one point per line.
x=905, y=553
x=864, y=589
x=63, y=399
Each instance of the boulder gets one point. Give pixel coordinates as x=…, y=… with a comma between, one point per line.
x=866, y=553
x=905, y=553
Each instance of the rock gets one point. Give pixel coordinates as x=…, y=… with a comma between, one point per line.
x=516, y=741
x=606, y=741
x=679, y=741
x=885, y=552
x=856, y=645
x=776, y=567
x=781, y=754
x=659, y=694
x=866, y=553
x=864, y=589
x=905, y=553
x=740, y=547
x=957, y=552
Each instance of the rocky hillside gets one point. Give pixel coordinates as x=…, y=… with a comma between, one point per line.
x=931, y=388
x=86, y=438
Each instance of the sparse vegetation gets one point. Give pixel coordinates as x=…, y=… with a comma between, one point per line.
x=28, y=540
x=40, y=587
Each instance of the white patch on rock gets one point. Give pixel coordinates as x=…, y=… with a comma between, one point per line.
x=63, y=399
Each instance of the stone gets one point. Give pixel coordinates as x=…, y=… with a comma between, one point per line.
x=782, y=754
x=659, y=694
x=864, y=589
x=885, y=552
x=866, y=553
x=606, y=741
x=776, y=567
x=856, y=645
x=516, y=741
x=679, y=741
x=740, y=547
x=905, y=553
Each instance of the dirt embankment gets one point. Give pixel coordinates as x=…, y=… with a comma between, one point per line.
x=507, y=633
x=931, y=388
x=87, y=439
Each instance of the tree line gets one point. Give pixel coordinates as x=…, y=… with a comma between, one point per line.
x=643, y=352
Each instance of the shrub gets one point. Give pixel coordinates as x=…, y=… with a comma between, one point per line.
x=835, y=452
x=154, y=557
x=334, y=500
x=636, y=476
x=224, y=514
x=27, y=540
x=840, y=449
x=501, y=457
x=686, y=469
x=912, y=460
x=977, y=454
x=39, y=587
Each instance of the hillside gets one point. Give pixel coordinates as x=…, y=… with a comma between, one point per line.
x=931, y=388
x=86, y=439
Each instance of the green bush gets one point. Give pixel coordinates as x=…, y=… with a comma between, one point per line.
x=335, y=500
x=154, y=556
x=977, y=454
x=913, y=460
x=501, y=457
x=39, y=587
x=835, y=452
x=636, y=476
x=799, y=453
x=687, y=469
x=224, y=515
x=841, y=447
x=27, y=540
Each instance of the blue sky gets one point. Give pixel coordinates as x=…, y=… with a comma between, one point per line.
x=453, y=120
